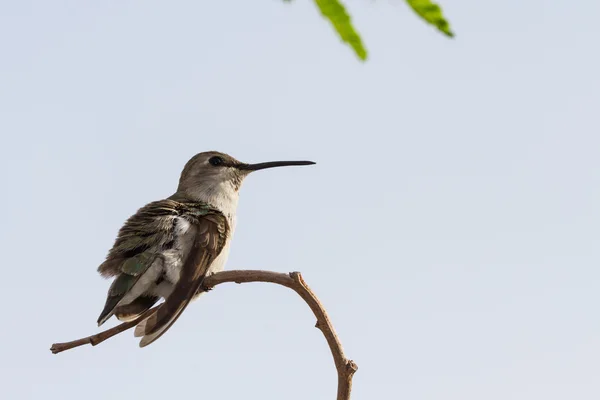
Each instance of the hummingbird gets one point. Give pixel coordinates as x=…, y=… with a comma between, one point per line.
x=167, y=248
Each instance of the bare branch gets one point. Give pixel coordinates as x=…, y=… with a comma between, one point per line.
x=345, y=367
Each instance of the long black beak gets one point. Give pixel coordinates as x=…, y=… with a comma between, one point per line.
x=272, y=164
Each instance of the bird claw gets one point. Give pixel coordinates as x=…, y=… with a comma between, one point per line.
x=206, y=288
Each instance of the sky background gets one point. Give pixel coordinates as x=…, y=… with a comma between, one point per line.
x=451, y=225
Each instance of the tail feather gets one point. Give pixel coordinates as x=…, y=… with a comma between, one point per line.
x=140, y=328
x=151, y=337
x=131, y=311
x=165, y=316
x=116, y=293
x=158, y=323
x=109, y=309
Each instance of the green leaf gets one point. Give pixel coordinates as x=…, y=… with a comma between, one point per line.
x=335, y=12
x=432, y=13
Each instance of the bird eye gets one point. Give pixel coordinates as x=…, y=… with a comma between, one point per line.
x=216, y=161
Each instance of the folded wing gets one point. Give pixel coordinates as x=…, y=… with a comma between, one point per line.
x=210, y=234
x=133, y=259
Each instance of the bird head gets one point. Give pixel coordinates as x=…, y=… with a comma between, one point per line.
x=213, y=173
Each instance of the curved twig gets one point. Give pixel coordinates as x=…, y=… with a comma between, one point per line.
x=345, y=367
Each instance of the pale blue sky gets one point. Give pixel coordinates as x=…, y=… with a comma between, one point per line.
x=451, y=226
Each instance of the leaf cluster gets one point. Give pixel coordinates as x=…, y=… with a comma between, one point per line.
x=335, y=12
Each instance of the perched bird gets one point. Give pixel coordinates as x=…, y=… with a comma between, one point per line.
x=167, y=248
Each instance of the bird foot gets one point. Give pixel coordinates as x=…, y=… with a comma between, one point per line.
x=206, y=288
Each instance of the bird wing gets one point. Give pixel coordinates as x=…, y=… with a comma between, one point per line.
x=209, y=239
x=136, y=248
x=131, y=270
